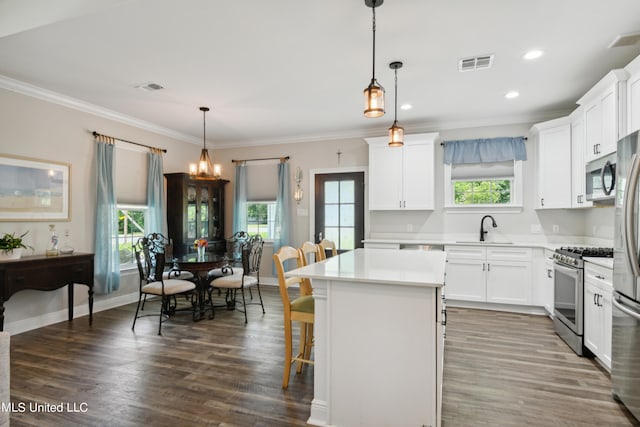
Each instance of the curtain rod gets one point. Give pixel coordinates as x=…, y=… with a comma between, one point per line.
x=524, y=138
x=257, y=160
x=96, y=134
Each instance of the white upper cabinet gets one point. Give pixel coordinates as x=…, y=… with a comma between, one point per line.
x=578, y=177
x=552, y=140
x=633, y=96
x=605, y=114
x=402, y=178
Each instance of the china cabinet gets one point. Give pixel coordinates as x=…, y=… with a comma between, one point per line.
x=195, y=209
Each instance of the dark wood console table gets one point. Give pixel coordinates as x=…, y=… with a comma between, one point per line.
x=45, y=273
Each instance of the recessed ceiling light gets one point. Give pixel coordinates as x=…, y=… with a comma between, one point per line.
x=512, y=94
x=533, y=54
x=406, y=107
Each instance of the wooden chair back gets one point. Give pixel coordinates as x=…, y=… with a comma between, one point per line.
x=309, y=253
x=288, y=253
x=326, y=245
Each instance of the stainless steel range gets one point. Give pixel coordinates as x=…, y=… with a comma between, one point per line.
x=568, y=305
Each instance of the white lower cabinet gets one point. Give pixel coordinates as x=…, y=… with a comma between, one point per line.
x=598, y=290
x=493, y=274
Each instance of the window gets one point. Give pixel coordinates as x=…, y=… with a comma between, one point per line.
x=261, y=217
x=131, y=219
x=477, y=185
x=487, y=192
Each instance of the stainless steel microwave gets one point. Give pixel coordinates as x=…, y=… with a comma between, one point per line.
x=601, y=179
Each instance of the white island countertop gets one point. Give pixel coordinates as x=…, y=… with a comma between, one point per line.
x=388, y=266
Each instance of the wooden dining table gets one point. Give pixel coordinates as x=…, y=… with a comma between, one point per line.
x=200, y=267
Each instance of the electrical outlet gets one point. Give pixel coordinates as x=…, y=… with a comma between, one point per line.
x=536, y=229
x=556, y=228
x=409, y=228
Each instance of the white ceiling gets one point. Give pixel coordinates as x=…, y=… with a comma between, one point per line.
x=286, y=70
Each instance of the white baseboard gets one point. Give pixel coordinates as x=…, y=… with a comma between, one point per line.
x=20, y=326
x=81, y=310
x=512, y=308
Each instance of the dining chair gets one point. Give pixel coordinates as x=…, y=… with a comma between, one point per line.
x=300, y=309
x=171, y=269
x=245, y=277
x=309, y=252
x=309, y=255
x=326, y=245
x=150, y=259
x=233, y=253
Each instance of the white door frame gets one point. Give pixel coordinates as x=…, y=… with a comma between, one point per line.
x=312, y=194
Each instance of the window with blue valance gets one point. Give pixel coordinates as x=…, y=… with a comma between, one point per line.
x=490, y=150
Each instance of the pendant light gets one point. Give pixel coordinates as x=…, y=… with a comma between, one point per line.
x=374, y=93
x=204, y=168
x=396, y=133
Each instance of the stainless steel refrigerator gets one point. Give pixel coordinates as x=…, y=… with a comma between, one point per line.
x=625, y=352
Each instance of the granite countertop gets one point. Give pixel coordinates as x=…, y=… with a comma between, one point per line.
x=383, y=266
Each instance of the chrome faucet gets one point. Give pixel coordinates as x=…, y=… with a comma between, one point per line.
x=482, y=230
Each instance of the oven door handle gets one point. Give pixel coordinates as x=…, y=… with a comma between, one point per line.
x=625, y=310
x=629, y=201
x=568, y=270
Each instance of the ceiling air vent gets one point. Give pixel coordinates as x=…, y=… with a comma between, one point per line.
x=149, y=87
x=625, y=40
x=475, y=63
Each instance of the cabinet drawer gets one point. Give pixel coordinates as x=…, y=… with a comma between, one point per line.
x=49, y=278
x=601, y=277
x=466, y=252
x=497, y=253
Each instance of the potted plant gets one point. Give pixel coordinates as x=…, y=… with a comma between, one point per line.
x=11, y=246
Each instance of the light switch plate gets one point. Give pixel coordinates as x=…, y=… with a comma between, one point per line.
x=536, y=229
x=303, y=212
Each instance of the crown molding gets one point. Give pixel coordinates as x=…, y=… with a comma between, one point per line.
x=359, y=133
x=86, y=107
x=410, y=128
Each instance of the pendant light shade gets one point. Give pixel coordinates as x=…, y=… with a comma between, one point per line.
x=396, y=133
x=374, y=93
x=204, y=168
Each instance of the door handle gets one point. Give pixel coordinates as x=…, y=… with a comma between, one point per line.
x=625, y=310
x=608, y=165
x=629, y=226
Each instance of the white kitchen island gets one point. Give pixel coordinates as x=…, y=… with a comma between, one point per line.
x=378, y=338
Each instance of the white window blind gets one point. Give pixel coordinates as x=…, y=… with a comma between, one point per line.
x=482, y=171
x=262, y=181
x=131, y=176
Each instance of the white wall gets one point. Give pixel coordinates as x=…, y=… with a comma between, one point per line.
x=321, y=154
x=34, y=128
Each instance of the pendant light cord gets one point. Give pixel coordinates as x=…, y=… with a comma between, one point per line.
x=373, y=73
x=204, y=129
x=395, y=116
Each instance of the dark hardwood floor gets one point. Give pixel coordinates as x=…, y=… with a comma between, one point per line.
x=501, y=369
x=506, y=369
